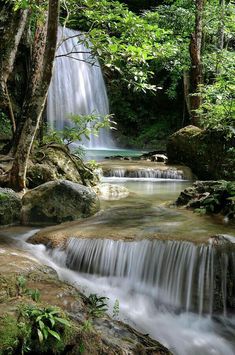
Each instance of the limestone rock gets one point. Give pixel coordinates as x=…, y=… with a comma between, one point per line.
x=56, y=162
x=111, y=192
x=58, y=201
x=208, y=153
x=10, y=206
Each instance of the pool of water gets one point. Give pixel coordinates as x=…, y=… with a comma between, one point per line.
x=145, y=214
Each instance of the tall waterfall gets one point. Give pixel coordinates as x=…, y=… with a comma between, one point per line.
x=77, y=87
x=179, y=275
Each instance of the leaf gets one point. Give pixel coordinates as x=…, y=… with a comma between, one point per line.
x=63, y=321
x=41, y=324
x=40, y=335
x=54, y=334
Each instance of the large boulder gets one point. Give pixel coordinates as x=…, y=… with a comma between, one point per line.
x=56, y=162
x=58, y=201
x=209, y=153
x=10, y=206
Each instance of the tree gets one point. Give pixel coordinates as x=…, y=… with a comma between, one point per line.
x=11, y=30
x=44, y=51
x=196, y=64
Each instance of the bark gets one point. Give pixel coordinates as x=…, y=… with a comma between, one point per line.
x=34, y=105
x=35, y=73
x=196, y=65
x=11, y=30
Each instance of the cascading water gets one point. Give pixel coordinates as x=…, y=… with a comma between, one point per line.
x=144, y=173
x=179, y=275
x=77, y=87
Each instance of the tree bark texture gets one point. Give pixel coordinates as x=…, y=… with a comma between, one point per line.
x=12, y=27
x=196, y=65
x=45, y=47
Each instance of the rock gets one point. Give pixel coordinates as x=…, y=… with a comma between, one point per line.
x=10, y=206
x=105, y=336
x=58, y=201
x=111, y=192
x=208, y=153
x=210, y=197
x=159, y=158
x=56, y=162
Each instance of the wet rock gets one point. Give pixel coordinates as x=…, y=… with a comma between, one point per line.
x=210, y=197
x=10, y=206
x=56, y=162
x=105, y=336
x=111, y=192
x=58, y=201
x=208, y=153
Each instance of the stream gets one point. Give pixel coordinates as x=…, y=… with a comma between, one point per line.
x=155, y=260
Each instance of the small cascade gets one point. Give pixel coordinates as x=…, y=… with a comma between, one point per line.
x=179, y=275
x=77, y=87
x=145, y=173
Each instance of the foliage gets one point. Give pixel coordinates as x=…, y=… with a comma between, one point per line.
x=46, y=322
x=87, y=326
x=81, y=126
x=23, y=290
x=124, y=42
x=97, y=305
x=218, y=105
x=116, y=308
x=5, y=124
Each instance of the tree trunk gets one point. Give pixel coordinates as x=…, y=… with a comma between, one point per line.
x=35, y=73
x=196, y=65
x=34, y=104
x=12, y=27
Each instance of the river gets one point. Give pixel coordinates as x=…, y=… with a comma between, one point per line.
x=155, y=260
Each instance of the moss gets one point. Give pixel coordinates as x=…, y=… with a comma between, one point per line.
x=9, y=332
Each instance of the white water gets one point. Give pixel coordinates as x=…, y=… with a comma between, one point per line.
x=158, y=283
x=77, y=87
x=183, y=333
x=144, y=173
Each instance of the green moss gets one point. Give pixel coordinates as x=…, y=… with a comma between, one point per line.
x=9, y=332
x=3, y=196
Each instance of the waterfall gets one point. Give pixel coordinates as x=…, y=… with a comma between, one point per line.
x=179, y=275
x=77, y=87
x=144, y=173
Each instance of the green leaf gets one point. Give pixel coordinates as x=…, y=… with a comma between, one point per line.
x=54, y=334
x=63, y=321
x=40, y=335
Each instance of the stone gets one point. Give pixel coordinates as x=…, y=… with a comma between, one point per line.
x=210, y=197
x=10, y=206
x=209, y=153
x=58, y=201
x=106, y=336
x=111, y=192
x=56, y=162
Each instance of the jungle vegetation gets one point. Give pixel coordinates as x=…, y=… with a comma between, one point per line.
x=166, y=63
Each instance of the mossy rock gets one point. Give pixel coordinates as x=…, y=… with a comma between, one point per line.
x=58, y=201
x=10, y=206
x=56, y=162
x=209, y=153
x=210, y=197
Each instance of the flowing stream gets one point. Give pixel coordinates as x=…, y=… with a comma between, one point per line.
x=157, y=262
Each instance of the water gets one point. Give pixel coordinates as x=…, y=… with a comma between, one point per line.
x=164, y=285
x=77, y=87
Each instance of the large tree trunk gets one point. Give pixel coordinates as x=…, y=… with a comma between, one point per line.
x=196, y=65
x=35, y=72
x=12, y=27
x=45, y=48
